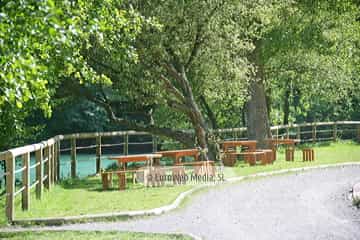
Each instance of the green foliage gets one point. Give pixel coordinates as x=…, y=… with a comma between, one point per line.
x=80, y=115
x=201, y=37
x=313, y=53
x=310, y=48
x=42, y=44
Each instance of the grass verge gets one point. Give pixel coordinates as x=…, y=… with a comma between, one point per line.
x=325, y=153
x=76, y=235
x=79, y=197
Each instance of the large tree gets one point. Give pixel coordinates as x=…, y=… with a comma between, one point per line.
x=181, y=63
x=306, y=53
x=257, y=19
x=190, y=57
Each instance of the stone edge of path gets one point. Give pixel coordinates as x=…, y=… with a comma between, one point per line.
x=167, y=208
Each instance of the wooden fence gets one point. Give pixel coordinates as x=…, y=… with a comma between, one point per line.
x=47, y=167
x=48, y=153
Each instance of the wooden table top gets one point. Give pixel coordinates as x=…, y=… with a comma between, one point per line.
x=242, y=142
x=251, y=144
x=135, y=158
x=183, y=152
x=249, y=153
x=197, y=163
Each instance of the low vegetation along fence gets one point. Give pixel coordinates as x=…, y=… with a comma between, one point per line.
x=40, y=163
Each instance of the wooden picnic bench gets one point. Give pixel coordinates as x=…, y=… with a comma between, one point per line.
x=249, y=144
x=107, y=176
x=201, y=167
x=252, y=157
x=178, y=154
x=251, y=154
x=290, y=147
x=124, y=159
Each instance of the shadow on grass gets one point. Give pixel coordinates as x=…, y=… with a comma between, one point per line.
x=86, y=183
x=312, y=145
x=94, y=184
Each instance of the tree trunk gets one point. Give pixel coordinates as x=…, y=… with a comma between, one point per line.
x=268, y=101
x=199, y=125
x=286, y=106
x=243, y=114
x=257, y=113
x=209, y=112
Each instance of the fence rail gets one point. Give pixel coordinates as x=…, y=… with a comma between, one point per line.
x=48, y=153
x=47, y=161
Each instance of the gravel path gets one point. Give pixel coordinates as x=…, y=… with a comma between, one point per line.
x=308, y=205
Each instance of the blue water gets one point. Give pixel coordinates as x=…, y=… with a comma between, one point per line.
x=86, y=165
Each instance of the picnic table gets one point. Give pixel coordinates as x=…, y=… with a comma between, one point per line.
x=178, y=154
x=250, y=144
x=124, y=159
x=290, y=146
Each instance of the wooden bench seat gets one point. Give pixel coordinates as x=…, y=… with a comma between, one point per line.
x=107, y=178
x=266, y=156
x=201, y=167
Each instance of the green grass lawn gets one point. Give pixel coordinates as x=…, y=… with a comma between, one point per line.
x=325, y=153
x=79, y=197
x=75, y=235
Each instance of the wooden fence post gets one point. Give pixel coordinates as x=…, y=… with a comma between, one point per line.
x=287, y=132
x=126, y=144
x=314, y=132
x=335, y=132
x=53, y=164
x=98, y=154
x=25, y=200
x=298, y=133
x=10, y=187
x=58, y=155
x=47, y=166
x=39, y=173
x=154, y=143
x=73, y=158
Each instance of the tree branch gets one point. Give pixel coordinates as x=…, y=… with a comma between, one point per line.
x=175, y=58
x=209, y=112
x=197, y=44
x=178, y=106
x=183, y=137
x=172, y=88
x=179, y=77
